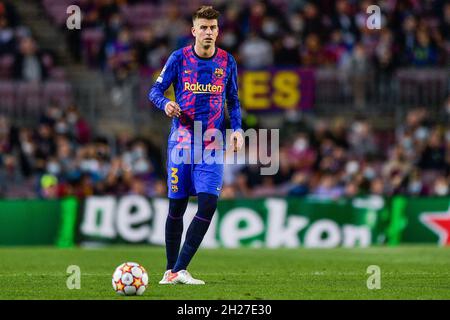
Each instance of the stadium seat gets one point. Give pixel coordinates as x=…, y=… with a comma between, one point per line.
x=8, y=97
x=57, y=91
x=29, y=98
x=57, y=73
x=6, y=66
x=91, y=39
x=56, y=9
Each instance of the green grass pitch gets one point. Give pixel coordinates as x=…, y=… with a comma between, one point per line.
x=407, y=272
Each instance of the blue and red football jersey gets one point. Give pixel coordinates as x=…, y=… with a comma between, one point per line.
x=202, y=87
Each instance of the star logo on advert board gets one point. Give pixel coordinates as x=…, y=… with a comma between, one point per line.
x=439, y=222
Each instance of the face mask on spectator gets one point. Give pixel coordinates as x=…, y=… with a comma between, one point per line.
x=270, y=27
x=27, y=147
x=352, y=167
x=115, y=24
x=56, y=113
x=141, y=166
x=300, y=145
x=407, y=143
x=61, y=127
x=415, y=187
x=421, y=133
x=369, y=173
x=53, y=168
x=441, y=189
x=72, y=117
x=358, y=128
x=289, y=42
x=296, y=23
x=138, y=153
x=229, y=39
x=89, y=165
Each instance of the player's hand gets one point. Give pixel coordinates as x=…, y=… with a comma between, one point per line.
x=172, y=109
x=237, y=141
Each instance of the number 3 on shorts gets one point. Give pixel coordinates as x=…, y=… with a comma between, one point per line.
x=174, y=176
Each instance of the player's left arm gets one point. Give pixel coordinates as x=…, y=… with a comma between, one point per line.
x=234, y=107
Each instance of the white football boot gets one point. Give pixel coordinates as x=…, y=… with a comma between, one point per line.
x=180, y=277
x=165, y=279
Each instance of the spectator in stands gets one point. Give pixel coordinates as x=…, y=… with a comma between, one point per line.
x=384, y=61
x=441, y=186
x=78, y=126
x=299, y=185
x=7, y=38
x=120, y=56
x=336, y=52
x=312, y=54
x=301, y=155
x=286, y=51
x=377, y=187
x=45, y=144
x=433, y=156
x=107, y=8
x=344, y=21
x=312, y=23
x=145, y=47
x=445, y=21
x=231, y=28
x=8, y=10
x=29, y=63
x=318, y=157
x=328, y=188
x=27, y=152
x=255, y=52
x=359, y=69
x=361, y=139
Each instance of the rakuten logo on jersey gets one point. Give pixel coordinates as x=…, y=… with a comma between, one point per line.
x=202, y=88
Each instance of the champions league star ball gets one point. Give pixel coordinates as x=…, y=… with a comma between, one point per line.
x=129, y=279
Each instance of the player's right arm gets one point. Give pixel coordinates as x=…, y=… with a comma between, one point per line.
x=166, y=78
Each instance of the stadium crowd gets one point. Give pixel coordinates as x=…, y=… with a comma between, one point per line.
x=20, y=56
x=262, y=34
x=327, y=158
x=323, y=158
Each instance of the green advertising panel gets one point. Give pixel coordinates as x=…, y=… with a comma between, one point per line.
x=29, y=222
x=307, y=222
x=426, y=219
x=271, y=222
x=37, y=222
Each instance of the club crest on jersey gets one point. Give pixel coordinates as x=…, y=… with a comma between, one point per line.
x=174, y=188
x=218, y=73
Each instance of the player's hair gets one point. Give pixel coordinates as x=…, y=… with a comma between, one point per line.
x=206, y=12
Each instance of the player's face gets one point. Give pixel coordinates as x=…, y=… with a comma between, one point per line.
x=205, y=32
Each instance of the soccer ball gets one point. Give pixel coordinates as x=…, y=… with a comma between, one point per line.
x=129, y=279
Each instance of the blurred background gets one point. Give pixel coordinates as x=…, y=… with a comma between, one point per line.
x=359, y=111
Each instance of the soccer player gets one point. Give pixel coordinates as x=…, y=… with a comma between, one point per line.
x=204, y=78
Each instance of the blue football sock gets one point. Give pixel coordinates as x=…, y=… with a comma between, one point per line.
x=207, y=204
x=174, y=230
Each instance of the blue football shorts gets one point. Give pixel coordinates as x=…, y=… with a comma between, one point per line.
x=189, y=177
